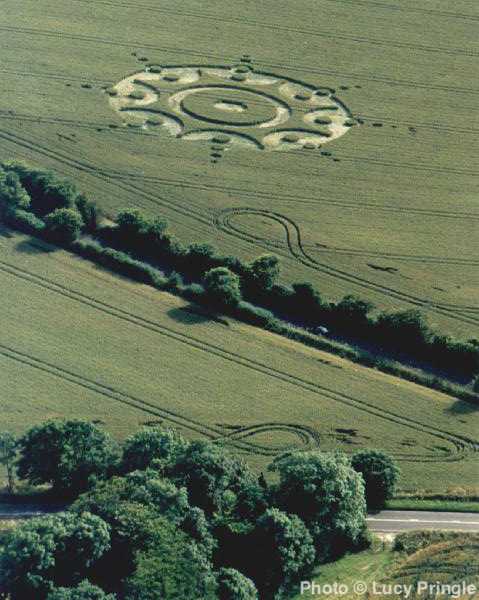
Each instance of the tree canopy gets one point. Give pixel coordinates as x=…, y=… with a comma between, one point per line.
x=69, y=455
x=380, y=474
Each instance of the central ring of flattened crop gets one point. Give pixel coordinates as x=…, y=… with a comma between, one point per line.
x=231, y=106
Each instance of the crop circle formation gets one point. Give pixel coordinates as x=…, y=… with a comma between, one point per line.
x=232, y=106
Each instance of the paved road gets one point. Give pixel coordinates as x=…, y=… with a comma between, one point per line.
x=394, y=521
x=25, y=511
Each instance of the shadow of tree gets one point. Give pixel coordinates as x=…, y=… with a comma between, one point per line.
x=34, y=247
x=195, y=315
x=461, y=408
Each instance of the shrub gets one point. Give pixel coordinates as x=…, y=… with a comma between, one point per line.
x=26, y=222
x=89, y=213
x=84, y=591
x=13, y=195
x=46, y=191
x=222, y=286
x=380, y=474
x=233, y=585
x=63, y=225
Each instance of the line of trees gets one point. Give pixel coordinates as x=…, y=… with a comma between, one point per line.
x=165, y=518
x=38, y=202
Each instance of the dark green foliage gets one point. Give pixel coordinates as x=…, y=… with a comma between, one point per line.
x=233, y=585
x=12, y=194
x=350, y=315
x=46, y=191
x=89, y=213
x=282, y=551
x=380, y=474
x=327, y=494
x=219, y=482
x=222, y=287
x=403, y=336
x=152, y=445
x=129, y=505
x=63, y=225
x=261, y=274
x=171, y=567
x=84, y=591
x=51, y=551
x=8, y=453
x=475, y=385
x=69, y=455
x=25, y=221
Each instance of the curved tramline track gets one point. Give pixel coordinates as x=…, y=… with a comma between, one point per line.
x=292, y=231
x=460, y=446
x=298, y=251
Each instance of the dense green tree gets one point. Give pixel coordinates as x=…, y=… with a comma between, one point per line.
x=171, y=567
x=50, y=551
x=282, y=550
x=200, y=258
x=233, y=585
x=306, y=305
x=351, y=315
x=152, y=444
x=129, y=505
x=89, y=213
x=219, y=482
x=404, y=331
x=222, y=287
x=69, y=455
x=46, y=190
x=380, y=474
x=8, y=453
x=262, y=273
x=131, y=222
x=84, y=591
x=325, y=491
x=12, y=194
x=63, y=225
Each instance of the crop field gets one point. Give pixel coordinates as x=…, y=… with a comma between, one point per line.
x=339, y=133
x=77, y=341
x=448, y=561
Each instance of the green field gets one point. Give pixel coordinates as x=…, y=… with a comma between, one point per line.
x=339, y=134
x=451, y=560
x=77, y=341
x=386, y=209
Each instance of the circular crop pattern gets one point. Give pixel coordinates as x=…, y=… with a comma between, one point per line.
x=236, y=104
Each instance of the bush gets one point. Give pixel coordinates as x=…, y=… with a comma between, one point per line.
x=233, y=585
x=380, y=474
x=84, y=591
x=47, y=192
x=222, y=286
x=63, y=225
x=26, y=222
x=89, y=213
x=69, y=455
x=13, y=195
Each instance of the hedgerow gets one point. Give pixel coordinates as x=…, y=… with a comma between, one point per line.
x=143, y=249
